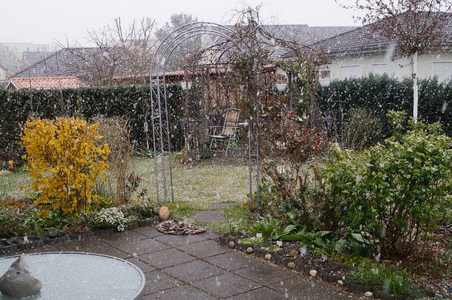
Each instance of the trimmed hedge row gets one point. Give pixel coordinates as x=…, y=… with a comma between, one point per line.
x=129, y=102
x=376, y=93
x=382, y=93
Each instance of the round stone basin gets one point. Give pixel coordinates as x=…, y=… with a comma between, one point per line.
x=81, y=275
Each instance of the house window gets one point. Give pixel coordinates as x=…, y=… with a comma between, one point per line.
x=350, y=72
x=379, y=69
x=325, y=74
x=443, y=71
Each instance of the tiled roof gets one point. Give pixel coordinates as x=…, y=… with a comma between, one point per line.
x=365, y=39
x=61, y=63
x=68, y=82
x=304, y=34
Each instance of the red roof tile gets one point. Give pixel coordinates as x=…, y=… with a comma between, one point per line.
x=68, y=82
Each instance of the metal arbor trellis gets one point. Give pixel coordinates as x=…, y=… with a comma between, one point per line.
x=159, y=106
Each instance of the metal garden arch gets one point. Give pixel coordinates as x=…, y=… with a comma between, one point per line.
x=159, y=105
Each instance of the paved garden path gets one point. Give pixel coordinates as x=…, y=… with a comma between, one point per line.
x=197, y=267
x=214, y=215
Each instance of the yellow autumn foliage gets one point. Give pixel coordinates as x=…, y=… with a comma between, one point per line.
x=64, y=157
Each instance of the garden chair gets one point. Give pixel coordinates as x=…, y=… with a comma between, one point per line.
x=223, y=134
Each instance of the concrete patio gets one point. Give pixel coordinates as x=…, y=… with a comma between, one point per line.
x=197, y=267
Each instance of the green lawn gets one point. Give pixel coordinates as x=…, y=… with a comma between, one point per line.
x=10, y=184
x=199, y=185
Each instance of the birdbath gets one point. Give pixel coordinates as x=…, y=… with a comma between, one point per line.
x=81, y=275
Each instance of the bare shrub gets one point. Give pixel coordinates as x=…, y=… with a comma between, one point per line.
x=362, y=129
x=116, y=133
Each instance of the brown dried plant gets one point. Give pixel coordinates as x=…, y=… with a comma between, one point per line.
x=116, y=133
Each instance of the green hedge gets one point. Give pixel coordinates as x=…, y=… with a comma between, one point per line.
x=382, y=93
x=129, y=102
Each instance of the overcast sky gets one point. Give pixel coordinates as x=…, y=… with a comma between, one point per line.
x=47, y=21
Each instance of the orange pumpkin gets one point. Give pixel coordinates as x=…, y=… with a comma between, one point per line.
x=164, y=213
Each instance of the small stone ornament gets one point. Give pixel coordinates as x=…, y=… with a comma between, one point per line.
x=17, y=281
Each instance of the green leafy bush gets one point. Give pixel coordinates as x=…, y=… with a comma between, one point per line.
x=391, y=280
x=140, y=209
x=18, y=218
x=396, y=191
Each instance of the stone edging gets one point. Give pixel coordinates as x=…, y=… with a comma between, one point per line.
x=325, y=272
x=8, y=246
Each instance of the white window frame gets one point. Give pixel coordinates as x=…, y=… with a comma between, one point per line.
x=379, y=69
x=352, y=71
x=442, y=71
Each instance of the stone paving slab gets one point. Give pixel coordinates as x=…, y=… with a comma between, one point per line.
x=125, y=236
x=263, y=293
x=305, y=288
x=194, y=271
x=197, y=267
x=142, y=246
x=265, y=273
x=166, y=258
x=179, y=240
x=157, y=281
x=204, y=249
x=183, y=292
x=211, y=235
x=226, y=285
x=232, y=261
x=149, y=231
x=141, y=264
x=210, y=216
x=222, y=205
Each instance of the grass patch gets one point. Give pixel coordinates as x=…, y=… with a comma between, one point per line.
x=10, y=185
x=182, y=211
x=238, y=216
x=202, y=185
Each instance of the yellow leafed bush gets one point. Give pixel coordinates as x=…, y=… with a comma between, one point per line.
x=64, y=158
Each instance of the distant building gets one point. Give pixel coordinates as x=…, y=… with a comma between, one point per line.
x=3, y=77
x=359, y=52
x=14, y=56
x=36, y=83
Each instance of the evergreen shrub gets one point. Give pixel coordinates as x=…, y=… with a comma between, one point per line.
x=379, y=94
x=132, y=103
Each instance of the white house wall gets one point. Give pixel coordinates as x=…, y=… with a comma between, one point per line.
x=361, y=65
